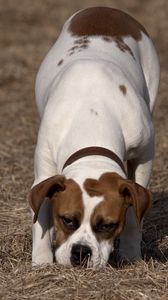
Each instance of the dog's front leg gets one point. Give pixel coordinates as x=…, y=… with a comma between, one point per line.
x=42, y=232
x=42, y=229
x=130, y=239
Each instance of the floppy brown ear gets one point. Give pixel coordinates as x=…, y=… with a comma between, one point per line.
x=137, y=196
x=93, y=187
x=44, y=189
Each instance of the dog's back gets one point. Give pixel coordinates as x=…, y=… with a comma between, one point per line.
x=102, y=34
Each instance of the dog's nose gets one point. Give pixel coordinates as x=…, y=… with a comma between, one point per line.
x=80, y=254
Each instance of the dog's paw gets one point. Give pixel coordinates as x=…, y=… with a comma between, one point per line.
x=38, y=260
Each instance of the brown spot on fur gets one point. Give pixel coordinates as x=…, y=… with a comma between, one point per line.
x=123, y=89
x=124, y=47
x=83, y=40
x=60, y=62
x=80, y=45
x=120, y=44
x=104, y=21
x=73, y=48
x=67, y=203
x=71, y=53
x=84, y=46
x=107, y=39
x=93, y=111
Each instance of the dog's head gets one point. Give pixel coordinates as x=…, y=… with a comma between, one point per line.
x=87, y=219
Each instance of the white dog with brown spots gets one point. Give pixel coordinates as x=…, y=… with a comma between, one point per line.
x=95, y=93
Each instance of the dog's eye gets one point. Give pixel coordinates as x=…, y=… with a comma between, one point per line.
x=105, y=227
x=70, y=223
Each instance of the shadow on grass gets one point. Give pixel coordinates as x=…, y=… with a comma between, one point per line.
x=155, y=232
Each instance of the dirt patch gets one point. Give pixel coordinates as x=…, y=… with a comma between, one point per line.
x=28, y=29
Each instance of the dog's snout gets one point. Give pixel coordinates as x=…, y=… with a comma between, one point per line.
x=80, y=255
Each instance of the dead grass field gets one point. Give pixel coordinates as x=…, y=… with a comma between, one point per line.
x=27, y=29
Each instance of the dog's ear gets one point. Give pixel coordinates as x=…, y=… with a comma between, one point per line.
x=137, y=196
x=93, y=187
x=44, y=189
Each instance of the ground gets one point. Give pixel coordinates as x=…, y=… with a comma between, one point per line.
x=27, y=30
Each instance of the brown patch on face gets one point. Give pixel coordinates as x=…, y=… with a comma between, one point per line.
x=104, y=21
x=108, y=218
x=60, y=62
x=68, y=210
x=123, y=89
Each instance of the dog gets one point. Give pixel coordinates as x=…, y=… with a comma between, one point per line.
x=95, y=93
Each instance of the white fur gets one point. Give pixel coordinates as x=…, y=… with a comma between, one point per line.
x=81, y=105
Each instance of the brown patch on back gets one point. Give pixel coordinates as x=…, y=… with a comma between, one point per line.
x=67, y=203
x=123, y=89
x=104, y=21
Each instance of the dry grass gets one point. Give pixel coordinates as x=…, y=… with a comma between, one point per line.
x=28, y=29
